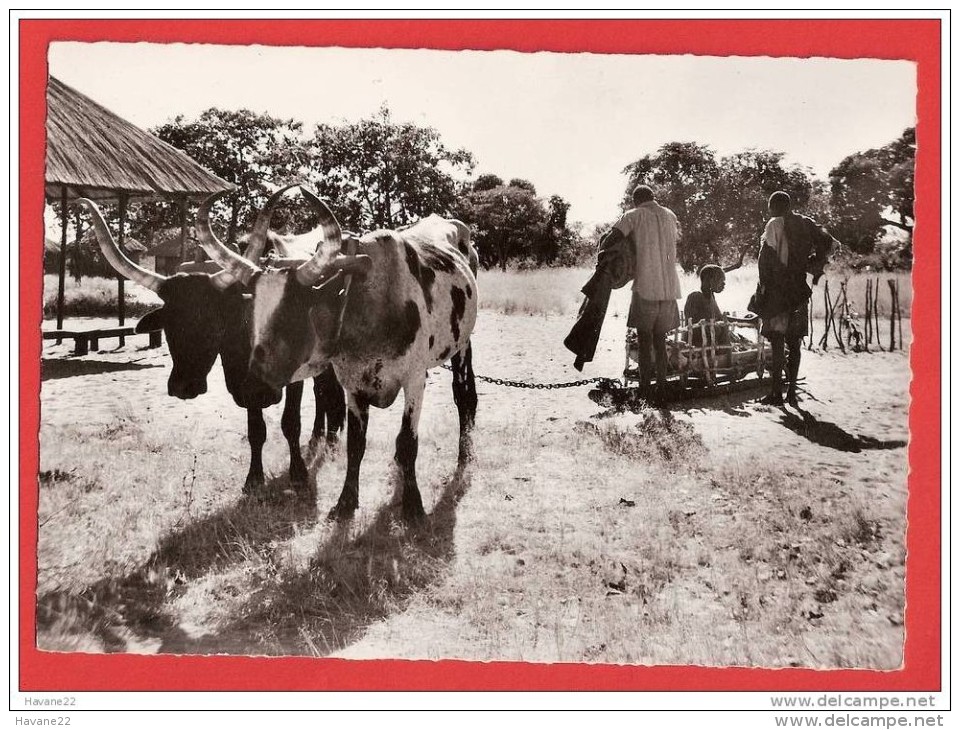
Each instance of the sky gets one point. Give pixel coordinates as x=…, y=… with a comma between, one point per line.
x=568, y=122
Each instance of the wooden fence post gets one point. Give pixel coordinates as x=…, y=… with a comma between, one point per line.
x=893, y=308
x=899, y=318
x=833, y=321
x=826, y=315
x=876, y=312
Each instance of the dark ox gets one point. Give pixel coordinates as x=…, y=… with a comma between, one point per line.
x=383, y=309
x=206, y=315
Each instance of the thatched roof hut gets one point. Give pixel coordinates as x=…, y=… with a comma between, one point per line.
x=96, y=154
x=93, y=153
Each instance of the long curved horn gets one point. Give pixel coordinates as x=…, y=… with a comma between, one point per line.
x=112, y=253
x=312, y=270
x=231, y=261
x=257, y=239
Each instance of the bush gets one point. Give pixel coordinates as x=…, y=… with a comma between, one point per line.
x=657, y=437
x=95, y=297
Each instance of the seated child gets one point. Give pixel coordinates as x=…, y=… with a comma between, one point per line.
x=702, y=305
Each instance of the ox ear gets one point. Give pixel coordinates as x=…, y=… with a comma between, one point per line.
x=151, y=321
x=357, y=265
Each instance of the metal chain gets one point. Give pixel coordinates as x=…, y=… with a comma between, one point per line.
x=538, y=386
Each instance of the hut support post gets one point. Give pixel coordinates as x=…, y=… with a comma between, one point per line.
x=121, y=304
x=62, y=268
x=183, y=229
x=232, y=230
x=77, y=240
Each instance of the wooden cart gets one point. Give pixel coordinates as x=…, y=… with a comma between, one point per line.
x=707, y=353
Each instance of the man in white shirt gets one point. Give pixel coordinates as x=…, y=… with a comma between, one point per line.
x=654, y=231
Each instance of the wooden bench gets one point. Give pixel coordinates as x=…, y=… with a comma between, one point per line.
x=90, y=339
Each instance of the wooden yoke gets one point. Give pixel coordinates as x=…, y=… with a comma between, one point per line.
x=348, y=247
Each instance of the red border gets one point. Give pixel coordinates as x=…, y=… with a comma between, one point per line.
x=916, y=40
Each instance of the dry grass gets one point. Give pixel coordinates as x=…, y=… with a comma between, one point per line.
x=544, y=291
x=557, y=291
x=95, y=297
x=716, y=533
x=551, y=547
x=532, y=292
x=185, y=565
x=657, y=560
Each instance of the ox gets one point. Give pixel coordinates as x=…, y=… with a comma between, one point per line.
x=205, y=315
x=383, y=309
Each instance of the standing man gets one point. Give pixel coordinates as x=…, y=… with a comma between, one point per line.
x=792, y=246
x=656, y=286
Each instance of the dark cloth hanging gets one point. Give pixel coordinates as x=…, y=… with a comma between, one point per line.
x=783, y=287
x=615, y=269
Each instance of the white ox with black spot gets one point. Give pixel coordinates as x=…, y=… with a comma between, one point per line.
x=383, y=309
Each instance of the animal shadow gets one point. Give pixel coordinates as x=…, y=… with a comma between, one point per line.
x=127, y=613
x=825, y=433
x=351, y=582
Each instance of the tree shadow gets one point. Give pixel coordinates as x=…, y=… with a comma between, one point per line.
x=56, y=368
x=348, y=584
x=825, y=433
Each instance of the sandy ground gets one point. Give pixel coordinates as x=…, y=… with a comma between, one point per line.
x=858, y=402
x=852, y=426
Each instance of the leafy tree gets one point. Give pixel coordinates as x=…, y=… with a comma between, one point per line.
x=487, y=181
x=874, y=189
x=900, y=156
x=556, y=235
x=255, y=152
x=511, y=223
x=747, y=179
x=519, y=182
x=577, y=249
x=507, y=221
x=684, y=176
x=721, y=203
x=377, y=173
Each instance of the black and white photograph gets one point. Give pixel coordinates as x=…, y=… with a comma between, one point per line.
x=385, y=353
